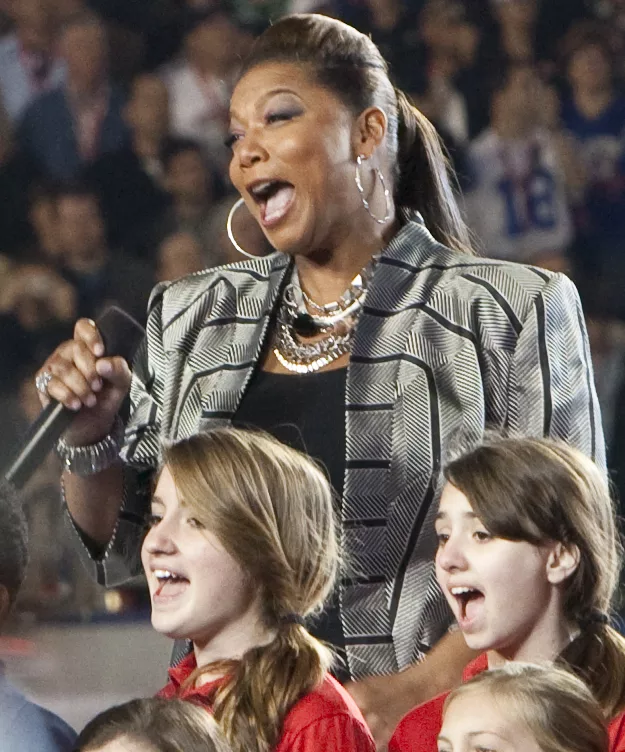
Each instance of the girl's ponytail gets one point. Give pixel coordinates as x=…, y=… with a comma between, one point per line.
x=260, y=689
x=597, y=656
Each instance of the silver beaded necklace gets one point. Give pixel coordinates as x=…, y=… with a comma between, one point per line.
x=336, y=319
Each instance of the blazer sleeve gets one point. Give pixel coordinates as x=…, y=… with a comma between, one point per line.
x=551, y=389
x=121, y=558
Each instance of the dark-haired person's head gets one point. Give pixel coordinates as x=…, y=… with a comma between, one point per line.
x=314, y=95
x=81, y=228
x=515, y=94
x=147, y=111
x=187, y=175
x=13, y=548
x=587, y=57
x=520, y=14
x=209, y=41
x=84, y=47
x=152, y=725
x=34, y=26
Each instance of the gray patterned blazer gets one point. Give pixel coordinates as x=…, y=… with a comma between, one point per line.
x=447, y=344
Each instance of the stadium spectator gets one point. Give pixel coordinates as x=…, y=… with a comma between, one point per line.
x=28, y=64
x=101, y=276
x=191, y=186
x=178, y=255
x=517, y=201
x=594, y=114
x=394, y=27
x=24, y=726
x=199, y=82
x=75, y=123
x=18, y=173
x=43, y=218
x=37, y=310
x=130, y=181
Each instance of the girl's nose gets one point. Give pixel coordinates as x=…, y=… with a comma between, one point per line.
x=451, y=556
x=160, y=539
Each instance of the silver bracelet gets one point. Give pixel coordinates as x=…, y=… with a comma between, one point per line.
x=92, y=458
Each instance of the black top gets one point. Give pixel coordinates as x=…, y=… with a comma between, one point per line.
x=306, y=412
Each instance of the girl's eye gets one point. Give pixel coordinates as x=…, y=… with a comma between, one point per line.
x=442, y=539
x=151, y=520
x=194, y=522
x=482, y=536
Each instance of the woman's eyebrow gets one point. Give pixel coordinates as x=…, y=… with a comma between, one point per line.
x=268, y=95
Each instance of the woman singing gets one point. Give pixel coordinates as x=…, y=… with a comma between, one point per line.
x=372, y=338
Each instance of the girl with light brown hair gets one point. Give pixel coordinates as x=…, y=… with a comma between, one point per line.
x=241, y=551
x=152, y=725
x=529, y=559
x=523, y=708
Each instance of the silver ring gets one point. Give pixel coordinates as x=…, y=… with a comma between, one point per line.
x=41, y=382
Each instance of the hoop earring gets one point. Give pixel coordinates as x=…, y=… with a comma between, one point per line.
x=387, y=198
x=237, y=204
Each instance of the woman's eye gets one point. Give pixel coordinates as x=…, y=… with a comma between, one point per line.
x=482, y=536
x=231, y=140
x=275, y=117
x=151, y=520
x=442, y=538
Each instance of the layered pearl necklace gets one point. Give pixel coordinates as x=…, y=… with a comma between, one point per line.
x=300, y=318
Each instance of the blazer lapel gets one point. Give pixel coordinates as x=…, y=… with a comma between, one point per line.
x=375, y=379
x=239, y=343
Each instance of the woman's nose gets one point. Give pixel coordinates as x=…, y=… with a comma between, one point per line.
x=250, y=151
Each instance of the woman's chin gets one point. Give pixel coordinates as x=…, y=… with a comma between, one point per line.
x=290, y=238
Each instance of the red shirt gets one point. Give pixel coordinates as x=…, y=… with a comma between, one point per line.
x=324, y=720
x=419, y=729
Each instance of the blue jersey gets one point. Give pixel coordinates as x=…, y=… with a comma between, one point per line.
x=601, y=213
x=516, y=201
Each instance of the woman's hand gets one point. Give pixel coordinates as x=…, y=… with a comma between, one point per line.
x=87, y=383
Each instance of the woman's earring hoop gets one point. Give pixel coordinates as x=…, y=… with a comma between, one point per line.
x=237, y=204
x=387, y=196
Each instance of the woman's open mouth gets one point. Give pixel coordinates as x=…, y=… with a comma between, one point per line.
x=274, y=199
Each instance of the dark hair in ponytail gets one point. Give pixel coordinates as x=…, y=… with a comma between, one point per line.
x=538, y=490
x=271, y=508
x=426, y=180
x=348, y=64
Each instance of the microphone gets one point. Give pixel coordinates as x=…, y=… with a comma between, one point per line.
x=121, y=335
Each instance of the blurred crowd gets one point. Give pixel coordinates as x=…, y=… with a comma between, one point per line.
x=113, y=171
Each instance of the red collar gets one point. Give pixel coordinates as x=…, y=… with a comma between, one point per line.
x=476, y=667
x=179, y=672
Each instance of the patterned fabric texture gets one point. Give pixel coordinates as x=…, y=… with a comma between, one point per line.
x=447, y=345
